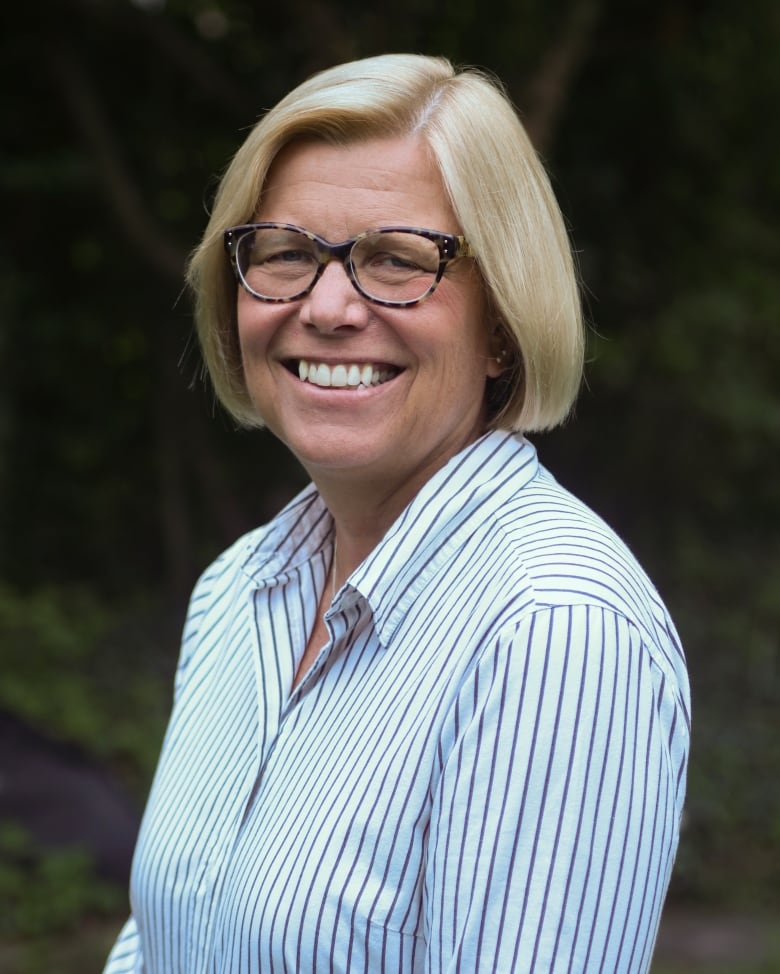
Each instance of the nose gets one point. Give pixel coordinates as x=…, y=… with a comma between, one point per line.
x=334, y=302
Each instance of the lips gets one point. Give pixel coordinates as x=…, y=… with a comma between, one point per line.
x=346, y=375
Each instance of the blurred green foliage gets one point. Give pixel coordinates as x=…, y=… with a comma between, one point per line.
x=83, y=673
x=119, y=479
x=48, y=894
x=57, y=914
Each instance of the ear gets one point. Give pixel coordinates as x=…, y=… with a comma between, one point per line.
x=499, y=356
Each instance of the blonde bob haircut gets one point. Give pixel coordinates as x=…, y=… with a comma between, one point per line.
x=500, y=194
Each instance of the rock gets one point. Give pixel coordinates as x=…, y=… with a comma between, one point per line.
x=64, y=799
x=713, y=940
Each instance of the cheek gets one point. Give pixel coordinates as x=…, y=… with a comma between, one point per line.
x=463, y=365
x=245, y=321
x=469, y=308
x=473, y=338
x=255, y=326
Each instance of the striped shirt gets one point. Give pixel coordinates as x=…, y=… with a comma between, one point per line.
x=484, y=769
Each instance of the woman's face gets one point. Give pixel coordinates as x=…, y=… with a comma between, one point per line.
x=433, y=357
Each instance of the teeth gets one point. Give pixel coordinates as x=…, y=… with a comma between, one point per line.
x=343, y=376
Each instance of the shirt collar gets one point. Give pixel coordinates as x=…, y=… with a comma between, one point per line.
x=459, y=497
x=300, y=531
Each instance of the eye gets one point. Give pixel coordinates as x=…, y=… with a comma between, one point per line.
x=269, y=254
x=396, y=255
x=392, y=260
x=274, y=252
x=288, y=256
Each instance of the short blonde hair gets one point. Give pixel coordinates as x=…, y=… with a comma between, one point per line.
x=499, y=192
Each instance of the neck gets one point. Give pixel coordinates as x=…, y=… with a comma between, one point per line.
x=361, y=519
x=352, y=544
x=364, y=505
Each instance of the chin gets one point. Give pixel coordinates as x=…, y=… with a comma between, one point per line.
x=328, y=452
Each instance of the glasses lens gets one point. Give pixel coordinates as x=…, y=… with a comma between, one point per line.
x=395, y=266
x=276, y=263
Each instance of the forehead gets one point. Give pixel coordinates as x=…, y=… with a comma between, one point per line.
x=344, y=189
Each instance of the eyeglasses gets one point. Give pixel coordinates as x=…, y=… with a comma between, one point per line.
x=395, y=266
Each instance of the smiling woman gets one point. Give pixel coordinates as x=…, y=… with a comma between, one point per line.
x=429, y=357
x=434, y=716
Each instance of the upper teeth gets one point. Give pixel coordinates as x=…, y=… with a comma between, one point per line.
x=343, y=375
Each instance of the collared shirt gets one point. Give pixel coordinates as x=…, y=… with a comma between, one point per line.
x=483, y=770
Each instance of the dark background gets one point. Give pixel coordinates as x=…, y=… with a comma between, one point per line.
x=120, y=479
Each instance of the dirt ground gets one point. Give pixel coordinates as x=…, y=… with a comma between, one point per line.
x=716, y=942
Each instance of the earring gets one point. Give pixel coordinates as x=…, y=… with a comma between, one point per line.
x=502, y=356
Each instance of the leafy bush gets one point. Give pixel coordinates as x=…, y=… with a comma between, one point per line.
x=47, y=892
x=91, y=675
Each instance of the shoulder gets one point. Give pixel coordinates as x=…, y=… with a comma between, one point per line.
x=261, y=554
x=215, y=604
x=566, y=548
x=253, y=561
x=228, y=570
x=564, y=555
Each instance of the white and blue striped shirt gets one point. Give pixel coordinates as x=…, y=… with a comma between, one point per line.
x=484, y=770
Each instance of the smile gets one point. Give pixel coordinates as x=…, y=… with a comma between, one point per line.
x=345, y=376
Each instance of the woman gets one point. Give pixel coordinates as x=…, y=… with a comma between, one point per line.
x=434, y=716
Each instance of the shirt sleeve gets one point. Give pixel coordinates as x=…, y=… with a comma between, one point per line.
x=125, y=957
x=556, y=816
